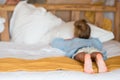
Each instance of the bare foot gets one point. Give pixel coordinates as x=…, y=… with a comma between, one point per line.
x=88, y=64
x=101, y=64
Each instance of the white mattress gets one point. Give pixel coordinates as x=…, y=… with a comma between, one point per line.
x=59, y=75
x=8, y=49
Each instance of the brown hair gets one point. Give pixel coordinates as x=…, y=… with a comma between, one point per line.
x=82, y=29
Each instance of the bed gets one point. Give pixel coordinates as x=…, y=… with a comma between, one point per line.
x=25, y=53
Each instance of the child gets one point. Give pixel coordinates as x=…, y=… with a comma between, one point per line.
x=83, y=48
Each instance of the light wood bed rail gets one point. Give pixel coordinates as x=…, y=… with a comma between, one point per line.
x=75, y=15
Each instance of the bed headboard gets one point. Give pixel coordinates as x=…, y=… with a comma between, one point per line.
x=75, y=10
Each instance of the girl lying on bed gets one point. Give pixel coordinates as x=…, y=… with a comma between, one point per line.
x=83, y=48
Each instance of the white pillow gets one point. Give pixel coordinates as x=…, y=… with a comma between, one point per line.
x=63, y=31
x=102, y=34
x=66, y=31
x=29, y=24
x=2, y=27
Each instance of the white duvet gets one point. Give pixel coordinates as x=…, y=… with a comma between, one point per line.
x=9, y=49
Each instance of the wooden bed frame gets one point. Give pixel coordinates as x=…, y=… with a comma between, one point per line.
x=75, y=14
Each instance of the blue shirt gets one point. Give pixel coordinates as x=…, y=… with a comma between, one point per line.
x=71, y=46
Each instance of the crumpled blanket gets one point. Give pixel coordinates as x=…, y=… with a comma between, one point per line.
x=51, y=63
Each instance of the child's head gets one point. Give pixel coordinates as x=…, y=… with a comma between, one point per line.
x=82, y=29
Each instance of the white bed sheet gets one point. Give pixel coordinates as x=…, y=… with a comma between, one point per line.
x=59, y=75
x=9, y=49
x=112, y=47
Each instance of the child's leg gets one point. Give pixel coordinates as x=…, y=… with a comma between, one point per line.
x=80, y=56
x=88, y=64
x=100, y=62
x=86, y=58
